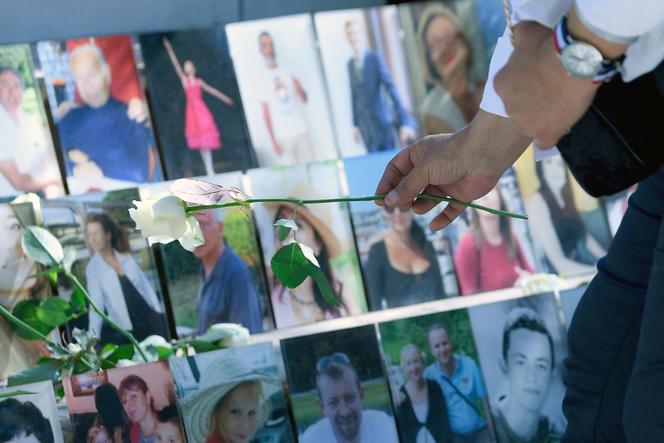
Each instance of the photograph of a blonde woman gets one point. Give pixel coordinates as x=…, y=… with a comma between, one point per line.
x=17, y=284
x=324, y=228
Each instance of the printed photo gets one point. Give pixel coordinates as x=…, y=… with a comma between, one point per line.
x=367, y=76
x=337, y=387
x=17, y=284
x=616, y=206
x=223, y=280
x=403, y=261
x=569, y=300
x=232, y=395
x=283, y=91
x=437, y=386
x=324, y=228
x=114, y=262
x=490, y=251
x=569, y=225
x=196, y=103
x=522, y=349
x=28, y=413
x=100, y=112
x=449, y=47
x=27, y=157
x=134, y=404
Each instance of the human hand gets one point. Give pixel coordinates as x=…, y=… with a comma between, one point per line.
x=77, y=156
x=465, y=165
x=229, y=101
x=88, y=172
x=522, y=276
x=407, y=134
x=277, y=148
x=542, y=99
x=137, y=110
x=63, y=109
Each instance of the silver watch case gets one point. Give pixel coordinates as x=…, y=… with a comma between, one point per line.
x=581, y=60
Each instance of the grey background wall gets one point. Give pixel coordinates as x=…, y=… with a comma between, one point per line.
x=32, y=20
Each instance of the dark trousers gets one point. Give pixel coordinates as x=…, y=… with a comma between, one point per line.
x=615, y=369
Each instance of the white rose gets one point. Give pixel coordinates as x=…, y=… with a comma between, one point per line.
x=162, y=219
x=237, y=335
x=33, y=198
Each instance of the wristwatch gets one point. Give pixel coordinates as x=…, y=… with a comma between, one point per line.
x=581, y=59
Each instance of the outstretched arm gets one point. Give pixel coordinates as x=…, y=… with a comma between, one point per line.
x=216, y=93
x=20, y=181
x=174, y=59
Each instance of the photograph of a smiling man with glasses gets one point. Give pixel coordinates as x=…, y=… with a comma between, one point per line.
x=338, y=388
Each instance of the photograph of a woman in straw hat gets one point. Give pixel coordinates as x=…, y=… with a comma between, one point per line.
x=232, y=396
x=324, y=228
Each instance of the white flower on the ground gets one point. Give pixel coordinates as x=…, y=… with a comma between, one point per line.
x=33, y=198
x=162, y=219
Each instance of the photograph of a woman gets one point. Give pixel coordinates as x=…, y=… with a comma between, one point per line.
x=200, y=129
x=17, y=284
x=447, y=60
x=232, y=396
x=403, y=261
x=113, y=261
x=489, y=255
x=118, y=285
x=324, y=228
x=556, y=222
x=422, y=414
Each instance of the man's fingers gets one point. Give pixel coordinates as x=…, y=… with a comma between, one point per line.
x=422, y=206
x=446, y=217
x=397, y=171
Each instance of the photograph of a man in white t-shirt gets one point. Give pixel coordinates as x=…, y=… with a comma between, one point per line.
x=282, y=103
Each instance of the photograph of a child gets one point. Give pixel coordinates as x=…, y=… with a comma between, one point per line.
x=449, y=48
x=27, y=155
x=114, y=262
x=28, y=414
x=136, y=405
x=324, y=228
x=283, y=91
x=569, y=225
x=367, y=79
x=522, y=349
x=103, y=123
x=338, y=388
x=437, y=387
x=196, y=103
x=493, y=252
x=223, y=280
x=403, y=261
x=232, y=396
x=17, y=284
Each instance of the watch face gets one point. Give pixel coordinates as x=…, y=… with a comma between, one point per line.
x=581, y=60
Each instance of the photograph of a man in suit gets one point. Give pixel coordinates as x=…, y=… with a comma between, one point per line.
x=370, y=81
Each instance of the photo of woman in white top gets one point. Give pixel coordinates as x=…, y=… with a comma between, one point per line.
x=118, y=285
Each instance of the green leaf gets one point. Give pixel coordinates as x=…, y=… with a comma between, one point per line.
x=53, y=278
x=77, y=301
x=202, y=346
x=42, y=246
x=123, y=352
x=53, y=311
x=15, y=393
x=289, y=265
x=47, y=369
x=214, y=336
x=26, y=311
x=324, y=286
x=285, y=225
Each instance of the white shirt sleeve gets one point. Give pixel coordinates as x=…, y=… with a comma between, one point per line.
x=491, y=102
x=621, y=21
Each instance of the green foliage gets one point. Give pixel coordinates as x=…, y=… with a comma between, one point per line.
x=115, y=205
x=26, y=310
x=239, y=233
x=285, y=226
x=396, y=334
x=17, y=57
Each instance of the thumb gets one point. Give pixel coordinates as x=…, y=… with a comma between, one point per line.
x=409, y=187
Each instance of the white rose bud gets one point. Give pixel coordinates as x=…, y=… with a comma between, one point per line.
x=33, y=198
x=162, y=219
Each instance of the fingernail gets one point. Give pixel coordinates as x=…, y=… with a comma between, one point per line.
x=391, y=198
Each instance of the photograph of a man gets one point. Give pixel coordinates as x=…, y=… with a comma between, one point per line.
x=463, y=387
x=374, y=119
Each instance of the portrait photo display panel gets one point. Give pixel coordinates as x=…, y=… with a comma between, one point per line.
x=325, y=228
x=223, y=280
x=29, y=411
x=338, y=387
x=100, y=112
x=522, y=348
x=283, y=91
